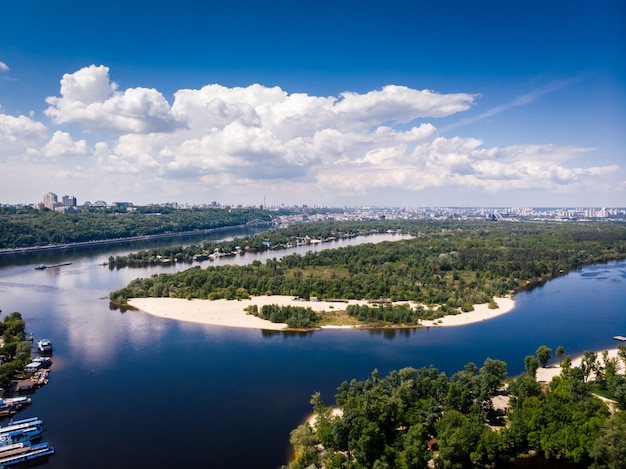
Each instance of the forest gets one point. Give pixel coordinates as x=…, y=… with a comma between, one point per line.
x=449, y=265
x=418, y=418
x=28, y=227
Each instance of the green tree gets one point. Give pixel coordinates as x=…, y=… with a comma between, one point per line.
x=621, y=352
x=560, y=351
x=491, y=377
x=304, y=442
x=531, y=363
x=589, y=363
x=544, y=354
x=609, y=449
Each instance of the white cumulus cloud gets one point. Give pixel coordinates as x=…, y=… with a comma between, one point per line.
x=239, y=140
x=91, y=99
x=62, y=144
x=13, y=129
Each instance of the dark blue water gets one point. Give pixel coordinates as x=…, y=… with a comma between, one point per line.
x=131, y=390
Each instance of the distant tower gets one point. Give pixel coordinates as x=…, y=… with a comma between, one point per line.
x=69, y=201
x=50, y=200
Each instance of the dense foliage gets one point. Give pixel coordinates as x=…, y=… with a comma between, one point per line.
x=414, y=415
x=452, y=264
x=398, y=314
x=27, y=227
x=15, y=349
x=296, y=317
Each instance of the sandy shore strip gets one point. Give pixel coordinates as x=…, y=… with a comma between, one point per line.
x=231, y=312
x=481, y=313
x=546, y=374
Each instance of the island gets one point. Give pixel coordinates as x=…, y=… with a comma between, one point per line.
x=449, y=272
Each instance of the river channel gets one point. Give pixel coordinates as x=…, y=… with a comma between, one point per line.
x=129, y=390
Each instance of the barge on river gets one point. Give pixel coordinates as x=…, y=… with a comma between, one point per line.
x=23, y=452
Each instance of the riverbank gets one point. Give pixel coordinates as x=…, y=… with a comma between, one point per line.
x=231, y=313
x=121, y=241
x=546, y=374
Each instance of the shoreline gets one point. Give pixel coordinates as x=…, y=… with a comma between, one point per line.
x=545, y=375
x=230, y=313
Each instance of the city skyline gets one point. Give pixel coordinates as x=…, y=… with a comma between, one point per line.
x=405, y=104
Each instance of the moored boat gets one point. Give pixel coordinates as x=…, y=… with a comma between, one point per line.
x=22, y=452
x=13, y=404
x=20, y=436
x=21, y=425
x=44, y=346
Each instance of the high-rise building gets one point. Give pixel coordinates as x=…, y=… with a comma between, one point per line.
x=50, y=200
x=69, y=201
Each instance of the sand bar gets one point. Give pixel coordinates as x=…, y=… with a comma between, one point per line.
x=231, y=313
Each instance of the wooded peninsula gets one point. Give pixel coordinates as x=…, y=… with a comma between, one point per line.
x=446, y=267
x=418, y=418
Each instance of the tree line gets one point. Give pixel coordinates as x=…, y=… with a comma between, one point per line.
x=28, y=227
x=415, y=416
x=296, y=317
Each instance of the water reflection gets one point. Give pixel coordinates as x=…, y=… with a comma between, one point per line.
x=391, y=333
x=270, y=334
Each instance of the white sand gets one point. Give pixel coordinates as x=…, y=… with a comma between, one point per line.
x=231, y=312
x=481, y=313
x=546, y=374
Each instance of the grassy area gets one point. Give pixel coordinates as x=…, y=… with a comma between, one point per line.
x=337, y=317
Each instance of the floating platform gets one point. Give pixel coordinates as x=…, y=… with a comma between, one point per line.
x=620, y=337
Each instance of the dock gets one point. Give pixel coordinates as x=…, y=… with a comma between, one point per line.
x=620, y=338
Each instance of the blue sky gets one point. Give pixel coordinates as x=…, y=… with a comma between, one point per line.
x=396, y=103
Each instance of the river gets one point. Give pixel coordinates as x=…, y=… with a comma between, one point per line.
x=129, y=390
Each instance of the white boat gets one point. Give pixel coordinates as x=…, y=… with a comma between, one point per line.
x=20, y=425
x=44, y=346
x=13, y=404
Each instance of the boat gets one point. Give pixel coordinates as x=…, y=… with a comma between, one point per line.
x=44, y=267
x=44, y=346
x=21, y=425
x=11, y=405
x=20, y=431
x=621, y=338
x=20, y=436
x=22, y=452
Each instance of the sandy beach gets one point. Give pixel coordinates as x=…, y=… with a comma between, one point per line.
x=546, y=374
x=481, y=313
x=231, y=313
